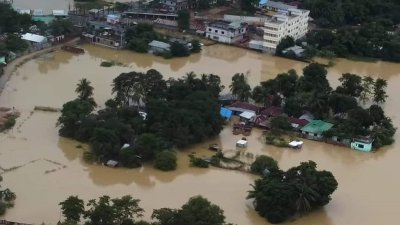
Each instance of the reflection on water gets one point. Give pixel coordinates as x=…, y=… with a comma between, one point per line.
x=50, y=168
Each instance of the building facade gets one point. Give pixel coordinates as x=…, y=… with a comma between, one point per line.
x=293, y=23
x=226, y=32
x=174, y=5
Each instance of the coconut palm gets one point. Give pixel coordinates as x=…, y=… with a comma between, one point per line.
x=305, y=198
x=84, y=89
x=239, y=87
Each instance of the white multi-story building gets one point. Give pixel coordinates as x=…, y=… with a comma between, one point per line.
x=293, y=22
x=225, y=31
x=174, y=5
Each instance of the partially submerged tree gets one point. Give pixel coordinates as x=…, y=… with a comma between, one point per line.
x=279, y=195
x=239, y=87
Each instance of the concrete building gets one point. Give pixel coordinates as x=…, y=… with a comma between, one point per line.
x=293, y=22
x=226, y=32
x=174, y=5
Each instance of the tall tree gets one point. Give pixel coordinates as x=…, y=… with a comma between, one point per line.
x=351, y=85
x=85, y=91
x=248, y=5
x=184, y=19
x=368, y=84
x=314, y=79
x=379, y=90
x=72, y=209
x=239, y=87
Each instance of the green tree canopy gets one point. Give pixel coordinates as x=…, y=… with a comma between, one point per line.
x=72, y=209
x=184, y=19
x=279, y=195
x=262, y=163
x=239, y=87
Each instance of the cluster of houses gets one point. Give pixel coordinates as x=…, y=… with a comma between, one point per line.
x=273, y=21
x=305, y=126
x=276, y=20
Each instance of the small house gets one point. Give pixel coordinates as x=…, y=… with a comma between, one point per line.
x=226, y=31
x=297, y=123
x=35, y=40
x=362, y=144
x=159, y=47
x=315, y=128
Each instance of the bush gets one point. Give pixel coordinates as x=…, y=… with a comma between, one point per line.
x=179, y=50
x=165, y=160
x=10, y=122
x=196, y=47
x=198, y=162
x=107, y=63
x=89, y=157
x=280, y=123
x=263, y=162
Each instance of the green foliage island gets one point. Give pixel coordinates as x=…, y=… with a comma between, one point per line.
x=179, y=112
x=126, y=211
x=354, y=107
x=281, y=195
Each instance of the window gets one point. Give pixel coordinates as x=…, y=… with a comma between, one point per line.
x=216, y=31
x=315, y=134
x=209, y=29
x=360, y=145
x=222, y=32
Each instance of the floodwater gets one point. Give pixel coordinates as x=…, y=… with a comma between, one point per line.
x=44, y=169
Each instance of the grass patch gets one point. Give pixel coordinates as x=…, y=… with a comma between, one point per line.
x=276, y=140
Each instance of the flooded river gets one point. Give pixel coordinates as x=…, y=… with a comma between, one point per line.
x=43, y=169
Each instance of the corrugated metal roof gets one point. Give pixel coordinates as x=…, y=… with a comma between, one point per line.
x=317, y=126
x=33, y=37
x=159, y=44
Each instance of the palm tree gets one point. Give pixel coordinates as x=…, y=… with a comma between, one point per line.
x=84, y=89
x=239, y=87
x=306, y=197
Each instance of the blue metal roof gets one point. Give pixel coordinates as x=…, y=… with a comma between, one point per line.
x=225, y=113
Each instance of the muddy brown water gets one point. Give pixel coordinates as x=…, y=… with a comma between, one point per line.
x=44, y=169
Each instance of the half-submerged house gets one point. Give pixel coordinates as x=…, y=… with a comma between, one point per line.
x=362, y=144
x=315, y=128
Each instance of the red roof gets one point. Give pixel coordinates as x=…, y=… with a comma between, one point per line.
x=272, y=111
x=300, y=122
x=245, y=106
